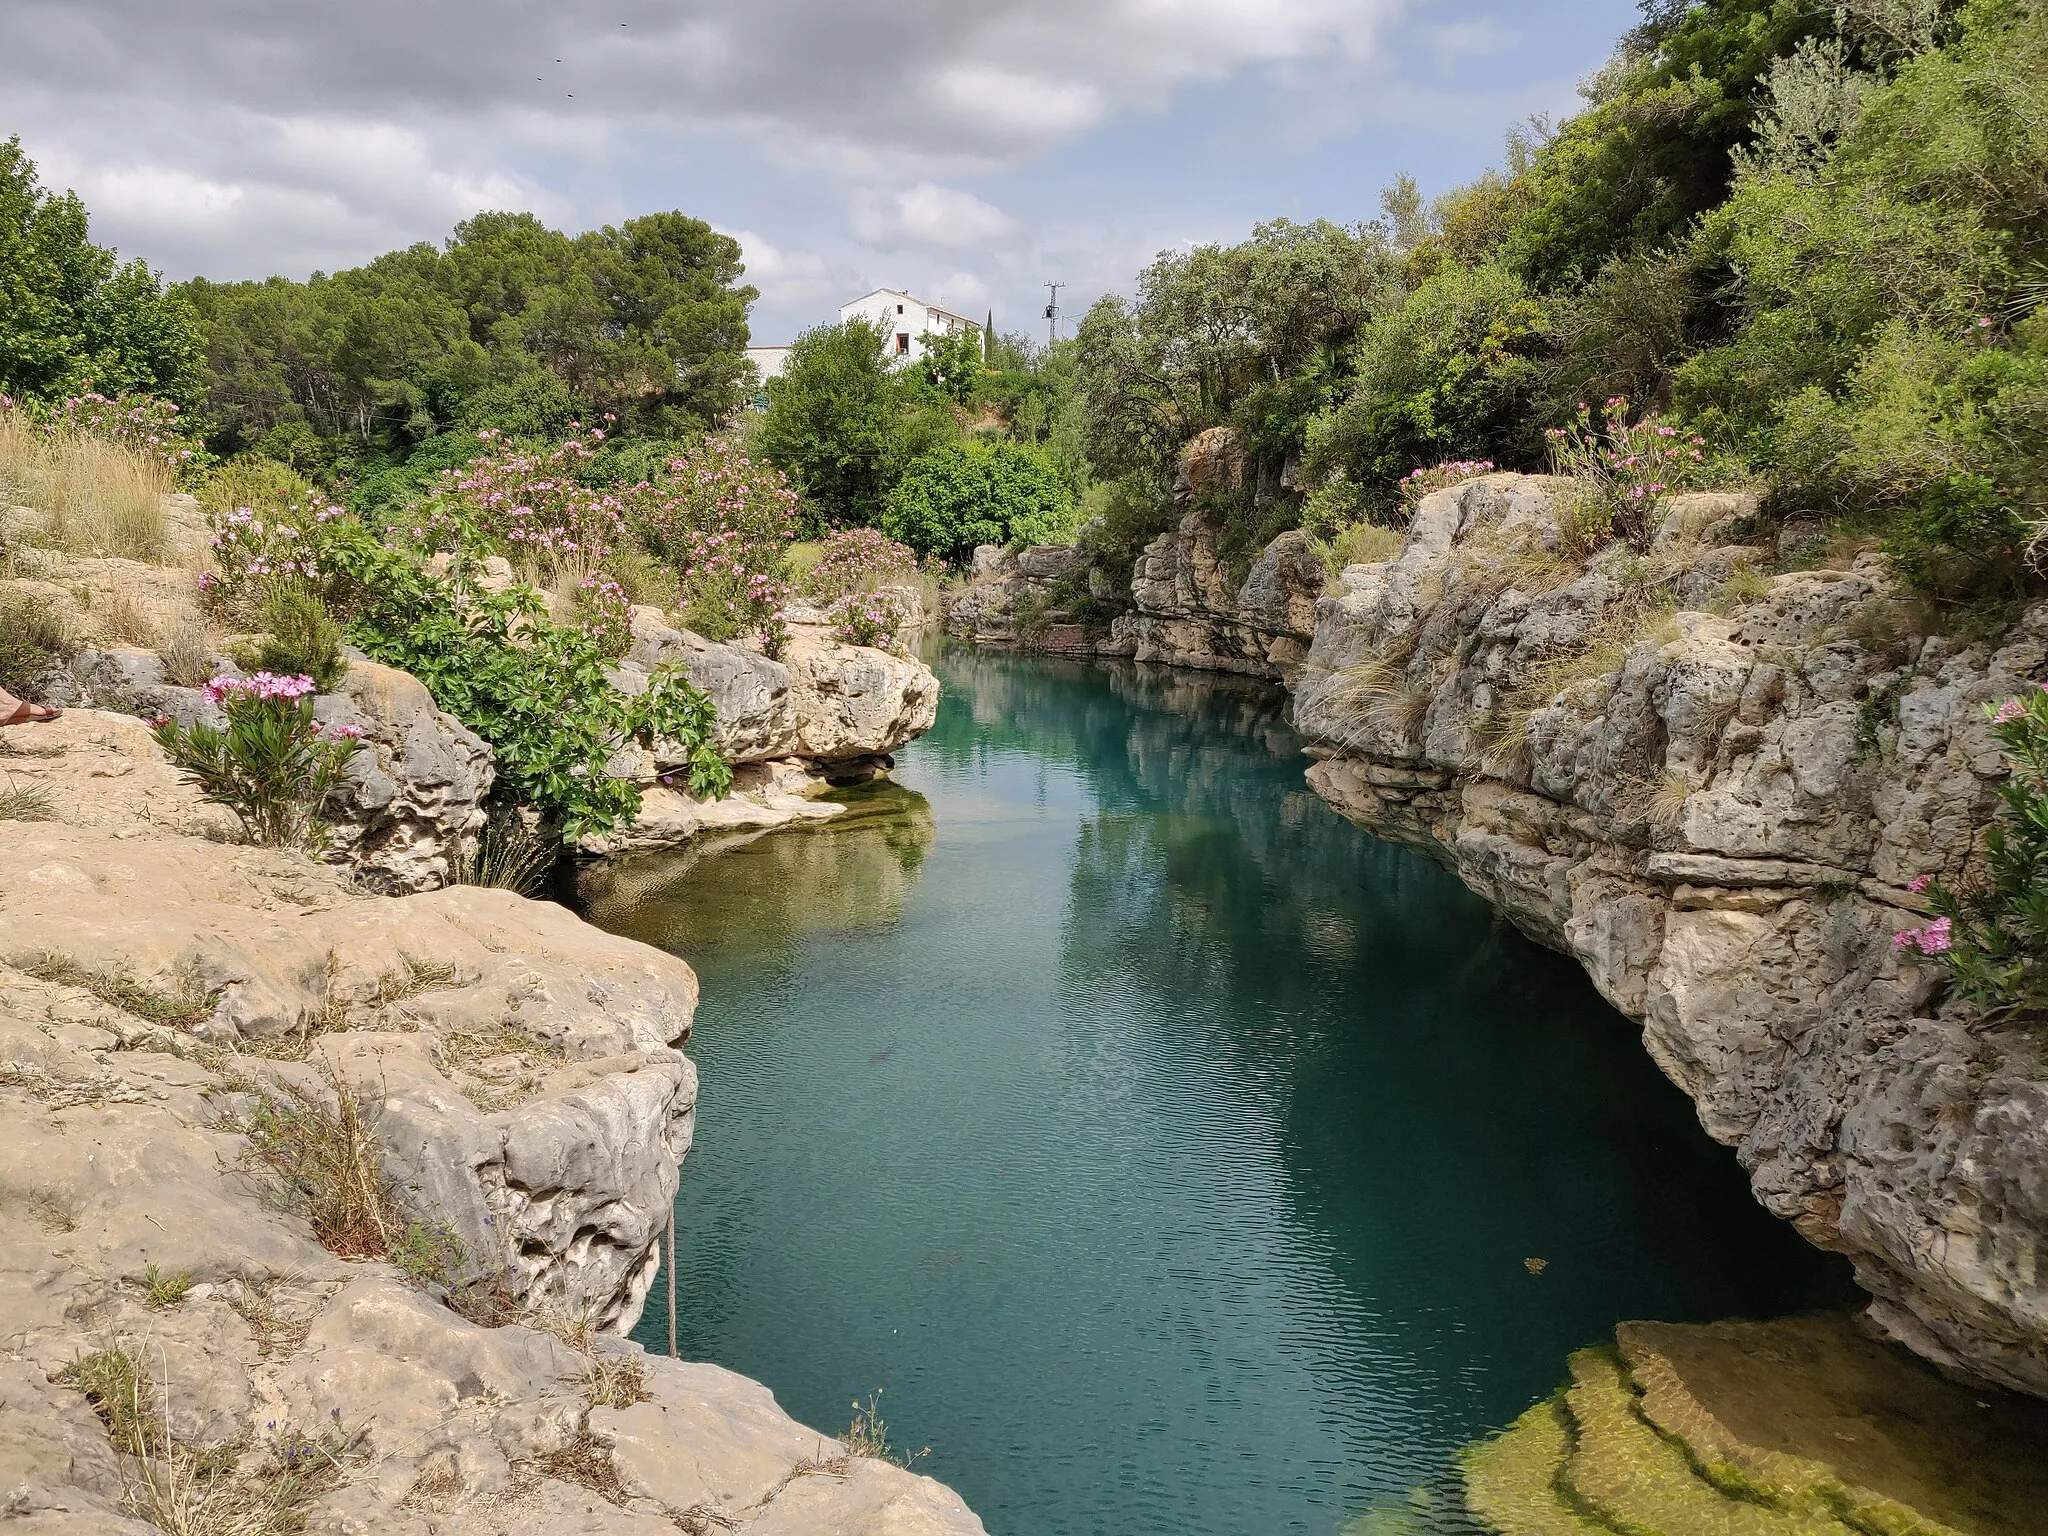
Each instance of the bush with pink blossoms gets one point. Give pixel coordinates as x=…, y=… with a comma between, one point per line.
x=1991, y=931
x=604, y=613
x=273, y=765
x=723, y=520
x=253, y=548
x=858, y=560
x=1624, y=468
x=531, y=506
x=866, y=618
x=143, y=422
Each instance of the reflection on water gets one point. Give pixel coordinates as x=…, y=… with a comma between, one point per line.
x=847, y=875
x=1168, y=1151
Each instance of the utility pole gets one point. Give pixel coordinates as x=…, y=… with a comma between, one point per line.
x=1052, y=313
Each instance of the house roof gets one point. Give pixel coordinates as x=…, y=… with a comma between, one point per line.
x=899, y=293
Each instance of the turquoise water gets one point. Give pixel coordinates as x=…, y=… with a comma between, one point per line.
x=1165, y=1150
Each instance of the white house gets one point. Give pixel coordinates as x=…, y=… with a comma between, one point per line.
x=903, y=319
x=769, y=360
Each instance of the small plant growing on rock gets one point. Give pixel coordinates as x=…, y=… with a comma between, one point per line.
x=866, y=618
x=1992, y=933
x=274, y=766
x=868, y=1436
x=1418, y=483
x=164, y=1291
x=1624, y=469
x=330, y=1163
x=299, y=637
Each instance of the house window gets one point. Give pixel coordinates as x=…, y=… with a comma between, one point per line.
x=899, y=309
x=902, y=343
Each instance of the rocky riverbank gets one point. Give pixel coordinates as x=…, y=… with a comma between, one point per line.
x=1713, y=787
x=208, y=1054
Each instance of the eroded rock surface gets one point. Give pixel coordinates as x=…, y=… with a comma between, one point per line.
x=1718, y=813
x=825, y=701
x=159, y=984
x=1191, y=609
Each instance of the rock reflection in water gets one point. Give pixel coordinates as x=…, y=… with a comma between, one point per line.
x=847, y=875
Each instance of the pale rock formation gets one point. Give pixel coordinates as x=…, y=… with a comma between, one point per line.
x=825, y=701
x=414, y=790
x=1008, y=599
x=1718, y=816
x=1191, y=611
x=522, y=1073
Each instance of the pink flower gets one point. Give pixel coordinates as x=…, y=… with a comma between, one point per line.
x=2010, y=710
x=1937, y=938
x=1919, y=883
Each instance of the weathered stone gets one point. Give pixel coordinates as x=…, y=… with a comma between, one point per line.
x=522, y=1074
x=1720, y=826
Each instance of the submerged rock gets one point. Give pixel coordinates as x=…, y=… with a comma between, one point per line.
x=1798, y=1427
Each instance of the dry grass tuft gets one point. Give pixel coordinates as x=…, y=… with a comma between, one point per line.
x=26, y=802
x=189, y=659
x=91, y=497
x=276, y=1332
x=615, y=1381
x=587, y=1462
x=184, y=1005
x=329, y=1163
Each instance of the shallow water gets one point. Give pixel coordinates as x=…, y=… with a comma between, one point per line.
x=1172, y=1156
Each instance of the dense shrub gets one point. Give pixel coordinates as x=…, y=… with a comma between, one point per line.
x=969, y=494
x=857, y=560
x=299, y=636
x=1450, y=374
x=832, y=423
x=33, y=640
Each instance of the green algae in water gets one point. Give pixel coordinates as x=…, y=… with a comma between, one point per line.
x=1167, y=1149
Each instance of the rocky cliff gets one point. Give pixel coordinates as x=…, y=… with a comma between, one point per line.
x=1188, y=606
x=212, y=1060
x=1712, y=787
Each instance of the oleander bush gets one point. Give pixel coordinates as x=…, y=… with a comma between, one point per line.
x=272, y=764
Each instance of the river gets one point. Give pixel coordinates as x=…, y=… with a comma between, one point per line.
x=1171, y=1156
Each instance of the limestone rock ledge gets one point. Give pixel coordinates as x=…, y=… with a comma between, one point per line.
x=1719, y=818
x=523, y=1074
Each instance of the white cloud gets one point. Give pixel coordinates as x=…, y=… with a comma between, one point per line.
x=786, y=278
x=928, y=215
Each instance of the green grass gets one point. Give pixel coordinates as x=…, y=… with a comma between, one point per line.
x=180, y=1009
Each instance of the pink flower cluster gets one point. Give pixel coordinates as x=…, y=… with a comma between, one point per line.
x=1937, y=938
x=264, y=685
x=855, y=560
x=866, y=618
x=1634, y=463
x=342, y=732
x=606, y=614
x=139, y=421
x=251, y=547
x=531, y=503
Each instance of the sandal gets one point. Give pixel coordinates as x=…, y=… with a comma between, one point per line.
x=25, y=713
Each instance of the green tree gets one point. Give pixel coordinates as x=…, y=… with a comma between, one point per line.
x=70, y=314
x=950, y=500
x=1450, y=374
x=832, y=422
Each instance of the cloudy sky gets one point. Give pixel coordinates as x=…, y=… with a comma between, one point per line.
x=966, y=149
